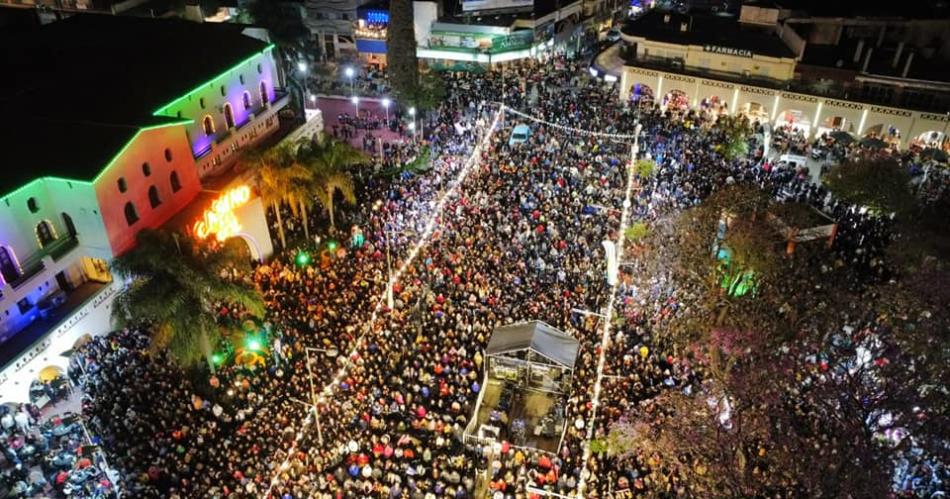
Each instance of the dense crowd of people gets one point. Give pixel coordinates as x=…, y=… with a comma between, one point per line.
x=359, y=399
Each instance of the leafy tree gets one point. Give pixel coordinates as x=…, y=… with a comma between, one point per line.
x=880, y=185
x=735, y=132
x=645, y=168
x=176, y=286
x=401, y=49
x=287, y=31
x=636, y=232
x=429, y=93
x=280, y=178
x=329, y=163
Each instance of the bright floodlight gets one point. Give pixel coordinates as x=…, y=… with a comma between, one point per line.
x=412, y=111
x=355, y=99
x=386, y=102
x=313, y=98
x=412, y=126
x=349, y=72
x=302, y=66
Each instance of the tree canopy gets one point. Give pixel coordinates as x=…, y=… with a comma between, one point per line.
x=176, y=286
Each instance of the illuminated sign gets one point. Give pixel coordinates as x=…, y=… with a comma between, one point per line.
x=220, y=220
x=716, y=49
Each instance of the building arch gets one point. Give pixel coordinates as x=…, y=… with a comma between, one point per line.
x=153, y=198
x=68, y=222
x=642, y=95
x=131, y=214
x=207, y=124
x=246, y=99
x=755, y=111
x=263, y=92
x=228, y=115
x=50, y=373
x=930, y=138
x=675, y=100
x=253, y=248
x=836, y=123
x=45, y=233
x=9, y=268
x=887, y=132
x=714, y=105
x=797, y=119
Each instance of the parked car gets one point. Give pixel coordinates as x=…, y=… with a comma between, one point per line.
x=519, y=134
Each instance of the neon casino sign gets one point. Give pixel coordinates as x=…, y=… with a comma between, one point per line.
x=220, y=220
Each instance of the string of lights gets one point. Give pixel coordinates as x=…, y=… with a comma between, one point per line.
x=472, y=161
x=569, y=129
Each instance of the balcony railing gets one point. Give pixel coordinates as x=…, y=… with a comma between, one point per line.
x=61, y=247
x=34, y=263
x=29, y=269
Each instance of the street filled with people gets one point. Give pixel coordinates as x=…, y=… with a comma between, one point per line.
x=375, y=349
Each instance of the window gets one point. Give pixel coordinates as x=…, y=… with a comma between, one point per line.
x=153, y=198
x=173, y=180
x=229, y=115
x=260, y=69
x=201, y=102
x=32, y=206
x=247, y=100
x=168, y=155
x=8, y=268
x=70, y=226
x=208, y=125
x=44, y=233
x=241, y=79
x=223, y=91
x=178, y=114
x=24, y=305
x=264, y=99
x=146, y=169
x=131, y=216
x=122, y=185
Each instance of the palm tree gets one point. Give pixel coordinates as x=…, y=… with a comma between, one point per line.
x=329, y=163
x=280, y=178
x=175, y=284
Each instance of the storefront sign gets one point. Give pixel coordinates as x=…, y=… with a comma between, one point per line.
x=716, y=49
x=220, y=220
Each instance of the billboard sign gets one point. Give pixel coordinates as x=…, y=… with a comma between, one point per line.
x=479, y=5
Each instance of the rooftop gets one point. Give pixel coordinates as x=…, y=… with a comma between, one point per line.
x=707, y=30
x=881, y=63
x=98, y=79
x=907, y=9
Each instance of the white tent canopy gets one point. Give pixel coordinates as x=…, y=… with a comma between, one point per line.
x=538, y=337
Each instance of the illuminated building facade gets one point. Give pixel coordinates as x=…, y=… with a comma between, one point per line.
x=115, y=122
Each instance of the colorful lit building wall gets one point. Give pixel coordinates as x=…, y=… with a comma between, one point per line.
x=46, y=228
x=228, y=102
x=137, y=189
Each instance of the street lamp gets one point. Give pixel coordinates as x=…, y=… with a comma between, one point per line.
x=412, y=126
x=356, y=102
x=386, y=103
x=302, y=67
x=350, y=74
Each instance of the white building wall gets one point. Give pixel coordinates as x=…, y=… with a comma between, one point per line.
x=95, y=318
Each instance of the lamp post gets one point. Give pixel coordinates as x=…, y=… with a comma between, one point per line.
x=356, y=102
x=389, y=267
x=350, y=73
x=386, y=103
x=302, y=67
x=412, y=126
x=313, y=394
